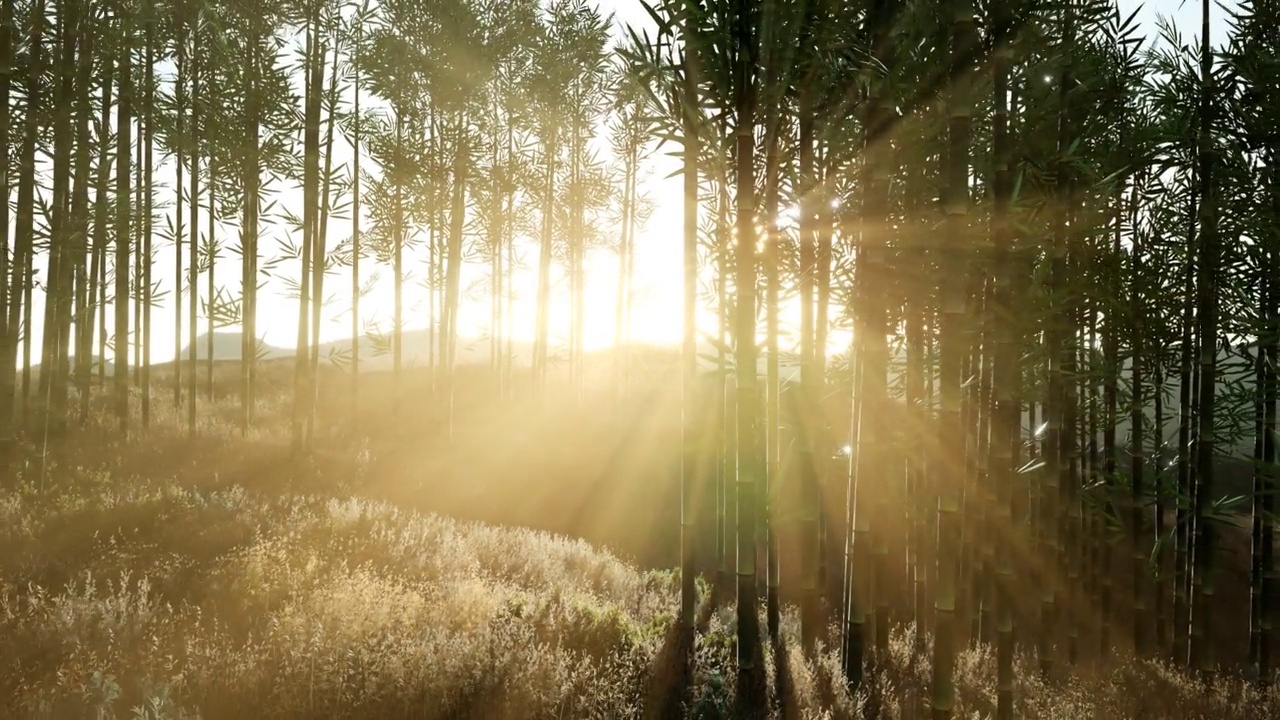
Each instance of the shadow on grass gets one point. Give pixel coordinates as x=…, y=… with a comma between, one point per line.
x=787, y=703
x=672, y=675
x=752, y=700
x=671, y=681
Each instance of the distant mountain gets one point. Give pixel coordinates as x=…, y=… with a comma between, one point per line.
x=374, y=353
x=227, y=345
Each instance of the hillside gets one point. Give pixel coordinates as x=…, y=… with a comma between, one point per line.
x=248, y=586
x=222, y=602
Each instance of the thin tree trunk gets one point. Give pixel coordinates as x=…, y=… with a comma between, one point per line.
x=135, y=298
x=773, y=406
x=398, y=233
x=1271, y=352
x=543, y=331
x=320, y=255
x=917, y=469
x=6, y=61
x=124, y=130
x=313, y=72
x=810, y=502
x=690, y=426
x=148, y=211
x=1163, y=586
x=751, y=695
x=249, y=235
x=1201, y=654
x=725, y=427
x=211, y=257
x=495, y=229
x=870, y=563
x=620, y=309
x=951, y=445
x=436, y=242
x=576, y=253
x=1258, y=519
x=1183, y=524
x=356, y=248
x=1006, y=376
x=1064, y=221
x=1111, y=361
x=821, y=323
x=1056, y=496
x=62, y=232
x=1138, y=566
x=80, y=213
x=453, y=271
x=180, y=155
x=193, y=251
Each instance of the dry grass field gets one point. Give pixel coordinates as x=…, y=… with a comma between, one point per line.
x=516, y=571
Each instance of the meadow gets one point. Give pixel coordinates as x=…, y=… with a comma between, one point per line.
x=221, y=577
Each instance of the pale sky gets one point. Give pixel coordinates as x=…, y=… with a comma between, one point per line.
x=658, y=255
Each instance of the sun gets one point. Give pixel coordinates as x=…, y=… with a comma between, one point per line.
x=655, y=316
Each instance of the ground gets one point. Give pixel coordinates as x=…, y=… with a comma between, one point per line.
x=520, y=570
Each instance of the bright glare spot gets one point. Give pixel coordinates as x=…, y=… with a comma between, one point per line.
x=1048, y=79
x=1040, y=430
x=835, y=204
x=846, y=450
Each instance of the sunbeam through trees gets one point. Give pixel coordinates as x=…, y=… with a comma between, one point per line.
x=639, y=358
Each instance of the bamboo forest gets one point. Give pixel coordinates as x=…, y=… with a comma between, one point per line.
x=639, y=359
